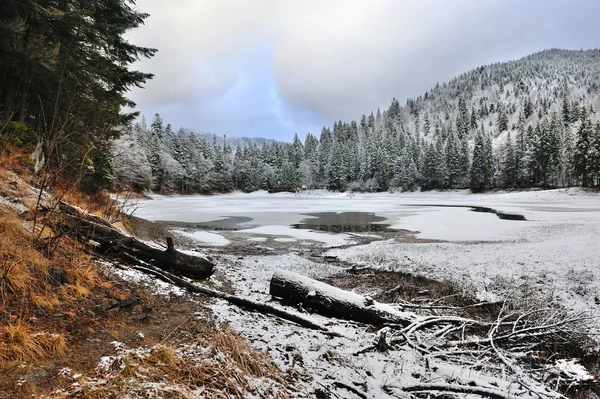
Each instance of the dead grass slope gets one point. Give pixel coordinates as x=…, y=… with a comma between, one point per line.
x=58, y=319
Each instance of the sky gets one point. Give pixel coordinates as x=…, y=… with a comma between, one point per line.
x=273, y=68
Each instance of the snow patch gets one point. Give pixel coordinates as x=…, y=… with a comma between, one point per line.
x=572, y=369
x=207, y=237
x=330, y=240
x=257, y=239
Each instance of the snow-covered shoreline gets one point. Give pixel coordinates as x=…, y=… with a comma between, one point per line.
x=553, y=252
x=551, y=256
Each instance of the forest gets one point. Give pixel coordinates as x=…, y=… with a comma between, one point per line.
x=519, y=124
x=64, y=76
x=66, y=71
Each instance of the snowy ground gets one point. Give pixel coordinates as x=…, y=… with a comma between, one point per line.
x=551, y=256
x=334, y=362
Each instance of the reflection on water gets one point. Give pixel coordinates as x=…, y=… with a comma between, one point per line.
x=343, y=222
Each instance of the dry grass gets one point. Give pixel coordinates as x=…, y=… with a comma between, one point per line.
x=19, y=342
x=218, y=365
x=12, y=158
x=28, y=268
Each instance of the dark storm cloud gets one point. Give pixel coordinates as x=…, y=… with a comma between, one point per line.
x=277, y=67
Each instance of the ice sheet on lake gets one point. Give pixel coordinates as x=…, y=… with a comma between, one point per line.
x=459, y=224
x=412, y=211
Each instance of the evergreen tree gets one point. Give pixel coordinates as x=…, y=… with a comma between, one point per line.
x=478, y=166
x=336, y=169
x=453, y=161
x=593, y=157
x=520, y=151
x=441, y=169
x=509, y=165
x=567, y=159
x=488, y=160
x=502, y=120
x=582, y=149
x=64, y=74
x=428, y=174
x=465, y=164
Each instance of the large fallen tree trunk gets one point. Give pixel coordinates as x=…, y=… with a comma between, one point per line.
x=113, y=243
x=334, y=302
x=234, y=300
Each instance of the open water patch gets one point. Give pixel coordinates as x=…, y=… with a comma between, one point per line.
x=500, y=214
x=343, y=222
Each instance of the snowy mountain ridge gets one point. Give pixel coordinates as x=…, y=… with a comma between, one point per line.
x=525, y=123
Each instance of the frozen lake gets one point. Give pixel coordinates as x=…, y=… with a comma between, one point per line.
x=549, y=259
x=435, y=215
x=555, y=250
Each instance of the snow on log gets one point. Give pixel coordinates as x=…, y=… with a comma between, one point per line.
x=330, y=301
x=113, y=243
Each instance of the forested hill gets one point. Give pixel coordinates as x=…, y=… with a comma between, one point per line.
x=235, y=141
x=530, y=122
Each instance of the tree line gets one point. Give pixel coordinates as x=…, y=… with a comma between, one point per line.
x=363, y=157
x=525, y=123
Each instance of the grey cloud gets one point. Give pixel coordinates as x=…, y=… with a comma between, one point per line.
x=342, y=58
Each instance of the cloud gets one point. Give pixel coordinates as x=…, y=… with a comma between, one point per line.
x=274, y=67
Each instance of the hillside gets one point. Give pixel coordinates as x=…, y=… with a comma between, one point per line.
x=525, y=123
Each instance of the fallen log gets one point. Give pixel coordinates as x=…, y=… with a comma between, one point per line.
x=330, y=301
x=112, y=243
x=444, y=388
x=234, y=300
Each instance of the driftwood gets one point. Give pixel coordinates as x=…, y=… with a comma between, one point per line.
x=110, y=242
x=330, y=301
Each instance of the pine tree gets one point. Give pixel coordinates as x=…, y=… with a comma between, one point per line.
x=520, y=150
x=221, y=179
x=478, y=165
x=473, y=119
x=325, y=144
x=566, y=111
x=568, y=158
x=465, y=164
x=463, y=122
x=593, y=157
x=509, y=166
x=502, y=121
x=336, y=170
x=428, y=174
x=582, y=148
x=488, y=161
x=453, y=161
x=156, y=153
x=297, y=151
x=290, y=179
x=441, y=169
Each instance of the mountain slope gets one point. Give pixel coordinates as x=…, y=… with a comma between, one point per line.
x=529, y=122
